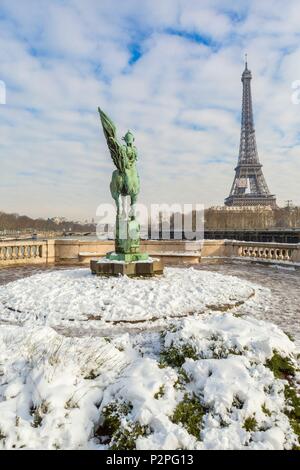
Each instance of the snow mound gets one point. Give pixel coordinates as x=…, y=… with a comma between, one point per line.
x=204, y=384
x=75, y=297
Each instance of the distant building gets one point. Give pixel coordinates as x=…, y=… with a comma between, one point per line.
x=249, y=186
x=58, y=220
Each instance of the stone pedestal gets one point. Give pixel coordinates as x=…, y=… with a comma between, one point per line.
x=127, y=235
x=127, y=260
x=107, y=267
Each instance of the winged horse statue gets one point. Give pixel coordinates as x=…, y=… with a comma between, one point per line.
x=125, y=179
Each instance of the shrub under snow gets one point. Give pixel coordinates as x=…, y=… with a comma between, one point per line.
x=215, y=382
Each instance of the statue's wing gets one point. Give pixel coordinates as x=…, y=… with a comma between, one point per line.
x=115, y=148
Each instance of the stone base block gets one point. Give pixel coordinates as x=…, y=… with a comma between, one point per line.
x=111, y=268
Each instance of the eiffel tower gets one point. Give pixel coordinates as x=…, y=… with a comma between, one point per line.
x=249, y=186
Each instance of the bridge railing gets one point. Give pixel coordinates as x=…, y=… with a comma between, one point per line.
x=267, y=251
x=81, y=252
x=26, y=252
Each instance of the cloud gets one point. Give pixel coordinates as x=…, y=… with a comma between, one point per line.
x=170, y=71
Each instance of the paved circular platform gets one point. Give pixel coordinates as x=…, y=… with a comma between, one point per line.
x=75, y=301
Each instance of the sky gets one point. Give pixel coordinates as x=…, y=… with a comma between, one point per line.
x=168, y=70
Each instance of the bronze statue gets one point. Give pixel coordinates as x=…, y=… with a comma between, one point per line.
x=125, y=179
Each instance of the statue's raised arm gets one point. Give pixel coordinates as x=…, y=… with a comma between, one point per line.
x=116, y=149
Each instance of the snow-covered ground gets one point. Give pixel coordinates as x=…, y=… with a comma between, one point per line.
x=204, y=382
x=75, y=299
x=283, y=284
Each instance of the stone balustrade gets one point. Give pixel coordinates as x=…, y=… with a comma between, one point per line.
x=72, y=252
x=256, y=251
x=283, y=254
x=8, y=253
x=267, y=251
x=26, y=252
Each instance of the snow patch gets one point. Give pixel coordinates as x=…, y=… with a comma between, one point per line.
x=54, y=390
x=58, y=298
